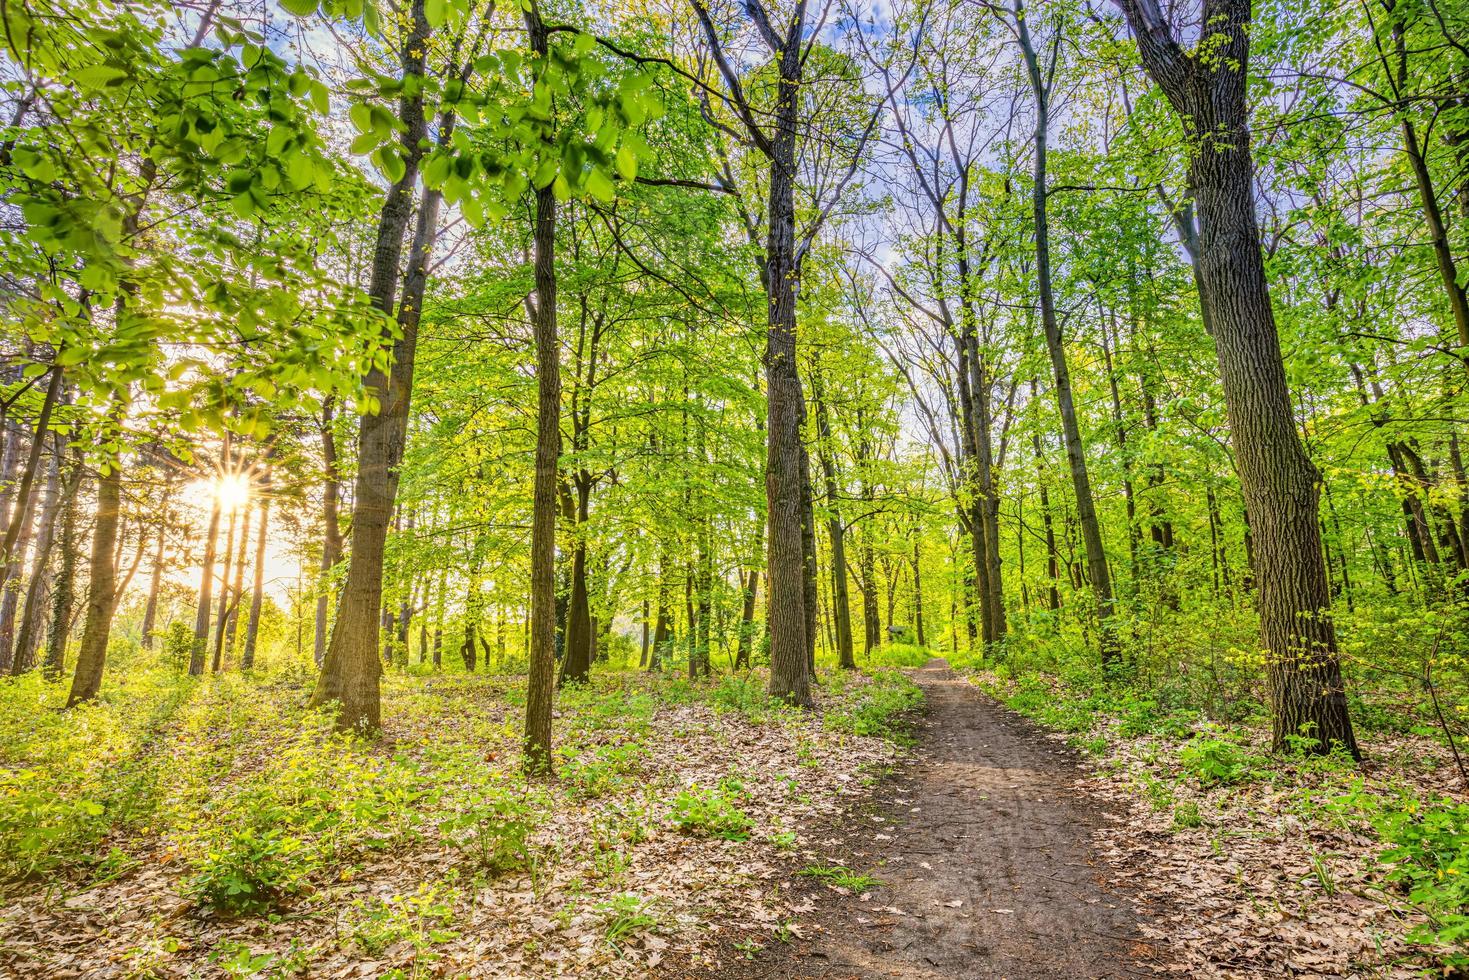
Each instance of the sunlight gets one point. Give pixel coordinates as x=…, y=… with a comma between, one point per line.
x=232, y=490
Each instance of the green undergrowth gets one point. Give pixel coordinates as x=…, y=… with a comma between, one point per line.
x=257, y=806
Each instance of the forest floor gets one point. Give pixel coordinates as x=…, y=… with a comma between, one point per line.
x=977, y=860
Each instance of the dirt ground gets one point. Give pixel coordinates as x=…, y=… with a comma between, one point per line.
x=983, y=846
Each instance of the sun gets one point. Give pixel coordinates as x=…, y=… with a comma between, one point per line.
x=232, y=490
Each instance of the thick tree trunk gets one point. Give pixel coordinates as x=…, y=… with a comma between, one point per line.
x=351, y=671
x=787, y=601
x=1280, y=483
x=101, y=590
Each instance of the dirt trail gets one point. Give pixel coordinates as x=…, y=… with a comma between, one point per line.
x=985, y=860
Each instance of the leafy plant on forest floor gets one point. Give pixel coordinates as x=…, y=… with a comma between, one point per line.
x=711, y=812
x=841, y=877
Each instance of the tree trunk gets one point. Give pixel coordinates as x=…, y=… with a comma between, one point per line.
x=257, y=591
x=787, y=602
x=101, y=589
x=331, y=545
x=1086, y=513
x=542, y=667
x=841, y=607
x=63, y=595
x=200, y=646
x=351, y=671
x=155, y=578
x=224, y=593
x=1280, y=483
x=33, y=619
x=576, y=661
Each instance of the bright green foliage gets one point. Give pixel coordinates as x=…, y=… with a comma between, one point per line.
x=713, y=812
x=1429, y=853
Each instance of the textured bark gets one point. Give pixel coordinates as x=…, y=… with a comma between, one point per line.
x=101, y=591
x=351, y=671
x=542, y=669
x=1279, y=481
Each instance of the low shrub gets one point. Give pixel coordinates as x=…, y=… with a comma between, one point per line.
x=711, y=813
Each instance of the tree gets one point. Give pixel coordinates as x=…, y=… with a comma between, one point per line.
x=1207, y=89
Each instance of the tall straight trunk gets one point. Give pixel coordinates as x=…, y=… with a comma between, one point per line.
x=1086, y=512
x=663, y=628
x=841, y=606
x=232, y=618
x=33, y=619
x=101, y=589
x=542, y=668
x=351, y=671
x=785, y=493
x=257, y=590
x=1119, y=426
x=1280, y=483
x=63, y=594
x=643, y=659
x=200, y=645
x=10, y=600
x=225, y=565
x=155, y=579
x=331, y=544
x=576, y=662
x=1053, y=556
x=918, y=590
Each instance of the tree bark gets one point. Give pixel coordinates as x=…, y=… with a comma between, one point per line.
x=1280, y=483
x=101, y=590
x=351, y=671
x=542, y=668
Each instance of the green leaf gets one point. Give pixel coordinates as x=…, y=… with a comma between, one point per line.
x=627, y=163
x=301, y=8
x=434, y=12
x=98, y=76
x=599, y=186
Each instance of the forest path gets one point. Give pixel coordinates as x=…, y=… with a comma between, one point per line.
x=986, y=863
